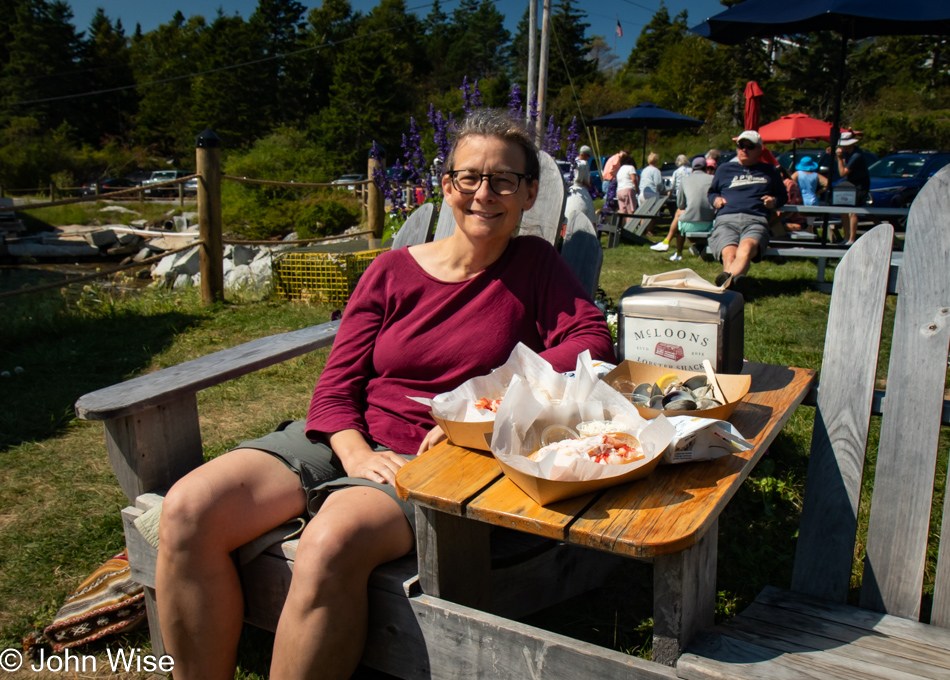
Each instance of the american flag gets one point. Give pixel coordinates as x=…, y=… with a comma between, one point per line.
x=619, y=29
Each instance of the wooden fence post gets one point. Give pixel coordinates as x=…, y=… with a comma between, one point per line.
x=375, y=202
x=208, y=161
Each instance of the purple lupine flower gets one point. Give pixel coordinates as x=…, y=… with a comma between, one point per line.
x=379, y=177
x=515, y=108
x=552, y=139
x=476, y=96
x=466, y=95
x=572, y=137
x=533, y=111
x=412, y=147
x=440, y=130
x=609, y=199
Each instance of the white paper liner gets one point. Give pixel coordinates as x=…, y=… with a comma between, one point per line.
x=703, y=439
x=459, y=404
x=524, y=415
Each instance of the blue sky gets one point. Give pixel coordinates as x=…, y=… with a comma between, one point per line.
x=601, y=15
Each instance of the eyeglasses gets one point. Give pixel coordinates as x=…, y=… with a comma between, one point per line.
x=502, y=183
x=747, y=146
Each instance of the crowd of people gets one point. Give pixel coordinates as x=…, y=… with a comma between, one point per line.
x=734, y=205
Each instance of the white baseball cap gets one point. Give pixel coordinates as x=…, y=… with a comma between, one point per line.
x=847, y=139
x=750, y=136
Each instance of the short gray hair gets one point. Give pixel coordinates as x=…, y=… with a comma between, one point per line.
x=496, y=123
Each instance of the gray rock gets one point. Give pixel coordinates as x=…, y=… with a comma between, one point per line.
x=292, y=236
x=128, y=239
x=181, y=223
x=188, y=262
x=263, y=252
x=237, y=278
x=101, y=239
x=243, y=255
x=228, y=251
x=182, y=281
x=262, y=267
x=164, y=267
x=227, y=265
x=196, y=280
x=191, y=216
x=139, y=223
x=143, y=254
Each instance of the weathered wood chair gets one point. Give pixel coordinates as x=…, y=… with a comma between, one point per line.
x=582, y=252
x=544, y=217
x=631, y=227
x=810, y=631
x=417, y=226
x=153, y=439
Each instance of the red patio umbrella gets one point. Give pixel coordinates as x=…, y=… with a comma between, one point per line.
x=752, y=105
x=794, y=128
x=751, y=121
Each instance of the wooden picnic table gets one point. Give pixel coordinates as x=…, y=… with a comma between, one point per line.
x=670, y=517
x=829, y=210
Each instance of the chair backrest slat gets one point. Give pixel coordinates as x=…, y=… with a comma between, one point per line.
x=416, y=228
x=904, y=477
x=544, y=217
x=582, y=252
x=826, y=536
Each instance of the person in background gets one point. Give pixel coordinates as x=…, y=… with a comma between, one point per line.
x=714, y=155
x=627, y=185
x=582, y=167
x=578, y=196
x=793, y=221
x=694, y=212
x=682, y=170
x=610, y=170
x=422, y=320
x=651, y=179
x=852, y=166
x=810, y=182
x=743, y=194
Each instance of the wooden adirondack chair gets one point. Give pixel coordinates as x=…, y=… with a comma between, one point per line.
x=582, y=252
x=632, y=230
x=416, y=227
x=153, y=439
x=544, y=218
x=810, y=631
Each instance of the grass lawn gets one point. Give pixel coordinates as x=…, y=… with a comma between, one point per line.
x=60, y=503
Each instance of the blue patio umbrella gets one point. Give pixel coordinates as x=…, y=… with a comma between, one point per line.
x=851, y=19
x=646, y=116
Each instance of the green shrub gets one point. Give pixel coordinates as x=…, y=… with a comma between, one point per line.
x=325, y=217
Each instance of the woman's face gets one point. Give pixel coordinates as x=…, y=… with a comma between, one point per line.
x=486, y=214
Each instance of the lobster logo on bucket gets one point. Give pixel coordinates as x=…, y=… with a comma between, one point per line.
x=676, y=344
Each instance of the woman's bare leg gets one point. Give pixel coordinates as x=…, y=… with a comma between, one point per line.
x=322, y=629
x=208, y=513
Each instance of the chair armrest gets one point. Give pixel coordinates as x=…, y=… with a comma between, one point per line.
x=193, y=376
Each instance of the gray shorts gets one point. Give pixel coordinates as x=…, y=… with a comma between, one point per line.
x=730, y=229
x=320, y=471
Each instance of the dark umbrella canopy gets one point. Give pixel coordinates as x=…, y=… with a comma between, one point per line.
x=646, y=116
x=853, y=19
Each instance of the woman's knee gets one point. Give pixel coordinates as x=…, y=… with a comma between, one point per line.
x=187, y=514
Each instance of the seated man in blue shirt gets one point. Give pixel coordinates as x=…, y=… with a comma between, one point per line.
x=743, y=194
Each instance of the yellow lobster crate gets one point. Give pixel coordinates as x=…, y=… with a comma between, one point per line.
x=326, y=277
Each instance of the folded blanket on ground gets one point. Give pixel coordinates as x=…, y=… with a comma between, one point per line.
x=107, y=602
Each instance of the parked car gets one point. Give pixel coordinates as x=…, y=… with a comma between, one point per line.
x=107, y=185
x=163, y=176
x=191, y=187
x=896, y=179
x=789, y=159
x=347, y=179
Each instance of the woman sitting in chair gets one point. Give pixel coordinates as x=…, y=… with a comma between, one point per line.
x=422, y=320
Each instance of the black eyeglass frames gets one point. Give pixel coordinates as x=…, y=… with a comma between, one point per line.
x=746, y=145
x=502, y=183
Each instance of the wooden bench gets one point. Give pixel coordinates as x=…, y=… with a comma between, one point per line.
x=810, y=631
x=153, y=438
x=822, y=255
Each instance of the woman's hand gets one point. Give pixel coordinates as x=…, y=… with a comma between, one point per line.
x=376, y=466
x=719, y=202
x=434, y=436
x=360, y=460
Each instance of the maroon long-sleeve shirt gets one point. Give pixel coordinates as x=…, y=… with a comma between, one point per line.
x=405, y=333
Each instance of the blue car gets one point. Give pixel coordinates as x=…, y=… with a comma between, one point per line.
x=896, y=179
